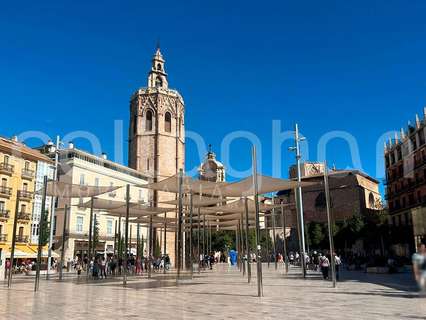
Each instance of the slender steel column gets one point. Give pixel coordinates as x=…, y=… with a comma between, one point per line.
x=40, y=235
x=191, y=259
x=165, y=242
x=180, y=212
x=126, y=235
x=12, y=250
x=299, y=200
x=198, y=240
x=284, y=224
x=247, y=241
x=256, y=204
x=64, y=230
x=115, y=237
x=241, y=225
x=138, y=242
x=330, y=225
x=274, y=236
x=150, y=244
x=268, y=254
x=237, y=246
x=89, y=251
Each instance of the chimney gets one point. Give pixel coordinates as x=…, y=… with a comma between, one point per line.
x=104, y=156
x=70, y=145
x=15, y=138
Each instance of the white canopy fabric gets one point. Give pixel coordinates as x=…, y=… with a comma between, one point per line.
x=245, y=187
x=104, y=204
x=68, y=190
x=197, y=201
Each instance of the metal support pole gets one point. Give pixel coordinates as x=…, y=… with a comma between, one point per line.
x=274, y=236
x=256, y=203
x=126, y=235
x=284, y=224
x=241, y=226
x=150, y=253
x=115, y=237
x=40, y=235
x=247, y=241
x=89, y=251
x=198, y=240
x=268, y=253
x=191, y=259
x=237, y=247
x=52, y=211
x=165, y=242
x=330, y=225
x=64, y=230
x=300, y=200
x=180, y=212
x=12, y=250
x=138, y=243
x=204, y=236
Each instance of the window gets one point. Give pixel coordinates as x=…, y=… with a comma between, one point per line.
x=109, y=227
x=147, y=164
x=2, y=206
x=4, y=182
x=96, y=182
x=82, y=177
x=180, y=126
x=21, y=232
x=158, y=82
x=371, y=200
x=159, y=66
x=25, y=187
x=135, y=124
x=320, y=201
x=23, y=208
x=54, y=225
x=6, y=159
x=27, y=165
x=168, y=122
x=79, y=226
x=148, y=126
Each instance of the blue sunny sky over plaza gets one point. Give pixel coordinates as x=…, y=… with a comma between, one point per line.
x=353, y=66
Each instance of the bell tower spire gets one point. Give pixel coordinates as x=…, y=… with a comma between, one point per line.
x=157, y=77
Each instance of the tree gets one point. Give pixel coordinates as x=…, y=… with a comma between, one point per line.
x=95, y=234
x=45, y=230
x=315, y=234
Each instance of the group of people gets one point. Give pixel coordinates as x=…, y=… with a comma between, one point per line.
x=101, y=267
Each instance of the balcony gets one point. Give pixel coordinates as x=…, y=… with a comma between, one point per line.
x=21, y=239
x=6, y=168
x=25, y=195
x=27, y=174
x=3, y=237
x=4, y=214
x=24, y=216
x=5, y=192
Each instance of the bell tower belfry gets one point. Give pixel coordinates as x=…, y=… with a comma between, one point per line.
x=157, y=132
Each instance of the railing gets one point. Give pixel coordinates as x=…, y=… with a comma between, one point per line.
x=5, y=191
x=24, y=216
x=24, y=194
x=3, y=237
x=21, y=239
x=27, y=173
x=6, y=168
x=4, y=213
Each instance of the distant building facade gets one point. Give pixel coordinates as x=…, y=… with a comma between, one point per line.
x=405, y=162
x=82, y=168
x=18, y=167
x=211, y=169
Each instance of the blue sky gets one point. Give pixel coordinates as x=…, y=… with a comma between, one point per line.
x=353, y=66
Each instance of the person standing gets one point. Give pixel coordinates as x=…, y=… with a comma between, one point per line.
x=325, y=266
x=338, y=263
x=419, y=267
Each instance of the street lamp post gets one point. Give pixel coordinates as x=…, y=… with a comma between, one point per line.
x=299, y=200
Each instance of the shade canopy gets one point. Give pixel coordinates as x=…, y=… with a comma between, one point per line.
x=197, y=201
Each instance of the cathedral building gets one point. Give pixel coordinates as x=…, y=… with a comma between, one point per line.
x=211, y=169
x=157, y=132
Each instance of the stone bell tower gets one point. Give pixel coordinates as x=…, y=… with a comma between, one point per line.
x=157, y=132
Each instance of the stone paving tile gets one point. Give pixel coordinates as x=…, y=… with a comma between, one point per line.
x=220, y=294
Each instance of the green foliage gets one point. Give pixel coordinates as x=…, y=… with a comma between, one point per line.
x=95, y=233
x=223, y=240
x=316, y=234
x=45, y=230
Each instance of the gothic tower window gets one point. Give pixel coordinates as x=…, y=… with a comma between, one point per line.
x=158, y=82
x=148, y=126
x=168, y=122
x=159, y=67
x=135, y=124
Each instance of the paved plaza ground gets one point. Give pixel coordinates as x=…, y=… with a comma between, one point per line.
x=219, y=294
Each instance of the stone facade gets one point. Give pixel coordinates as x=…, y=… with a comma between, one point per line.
x=157, y=133
x=405, y=161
